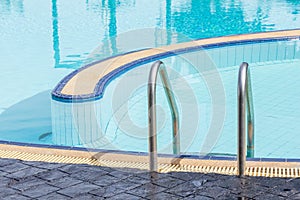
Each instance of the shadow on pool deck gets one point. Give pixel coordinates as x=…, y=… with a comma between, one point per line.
x=40, y=180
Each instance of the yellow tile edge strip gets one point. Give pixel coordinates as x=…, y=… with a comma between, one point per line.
x=85, y=81
x=267, y=169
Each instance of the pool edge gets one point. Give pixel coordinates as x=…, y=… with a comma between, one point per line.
x=166, y=164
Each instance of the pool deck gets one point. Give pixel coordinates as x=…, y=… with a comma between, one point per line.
x=40, y=180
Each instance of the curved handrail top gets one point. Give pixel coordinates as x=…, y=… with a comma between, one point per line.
x=242, y=81
x=90, y=81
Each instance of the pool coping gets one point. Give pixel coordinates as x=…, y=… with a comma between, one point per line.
x=91, y=151
x=97, y=75
x=137, y=156
x=166, y=164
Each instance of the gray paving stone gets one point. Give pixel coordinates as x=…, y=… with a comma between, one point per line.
x=207, y=177
x=126, y=185
x=5, y=191
x=184, y=189
x=106, y=180
x=132, y=171
x=124, y=196
x=249, y=191
x=295, y=183
x=52, y=175
x=152, y=176
x=108, y=191
x=54, y=196
x=5, y=181
x=284, y=190
x=248, y=182
x=198, y=183
x=238, y=186
x=14, y=167
x=146, y=190
x=79, y=189
x=121, y=174
x=39, y=190
x=169, y=182
x=233, y=183
x=219, y=176
x=269, y=196
x=30, y=171
x=296, y=196
x=16, y=197
x=163, y=196
x=186, y=176
x=207, y=183
x=139, y=180
x=268, y=182
x=45, y=165
x=64, y=182
x=30, y=163
x=27, y=183
x=5, y=162
x=201, y=197
x=213, y=192
x=2, y=173
x=87, y=197
x=89, y=174
x=233, y=197
x=107, y=169
x=71, y=168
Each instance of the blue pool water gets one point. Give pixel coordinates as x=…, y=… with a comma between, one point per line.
x=207, y=99
x=41, y=42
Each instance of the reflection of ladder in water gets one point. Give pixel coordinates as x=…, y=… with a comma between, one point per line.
x=245, y=111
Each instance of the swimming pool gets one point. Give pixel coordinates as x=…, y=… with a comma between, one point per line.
x=43, y=49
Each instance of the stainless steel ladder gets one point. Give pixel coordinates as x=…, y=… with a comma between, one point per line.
x=158, y=67
x=245, y=112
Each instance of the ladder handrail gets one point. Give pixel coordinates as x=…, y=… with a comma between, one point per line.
x=245, y=99
x=158, y=67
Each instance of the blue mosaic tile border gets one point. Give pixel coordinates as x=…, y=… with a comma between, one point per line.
x=56, y=92
x=104, y=81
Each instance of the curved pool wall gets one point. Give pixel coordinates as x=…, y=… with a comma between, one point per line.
x=94, y=124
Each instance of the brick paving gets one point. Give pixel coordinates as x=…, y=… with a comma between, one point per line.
x=39, y=180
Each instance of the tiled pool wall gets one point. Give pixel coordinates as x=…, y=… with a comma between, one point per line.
x=94, y=124
x=265, y=51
